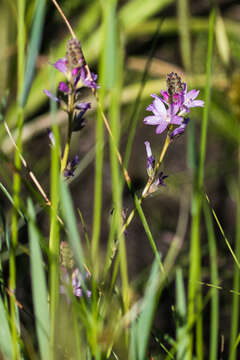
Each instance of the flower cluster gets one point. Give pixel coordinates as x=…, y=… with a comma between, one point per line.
x=71, y=278
x=73, y=284
x=77, y=75
x=172, y=109
x=71, y=167
x=73, y=66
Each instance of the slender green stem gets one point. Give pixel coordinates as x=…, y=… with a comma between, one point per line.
x=236, y=278
x=54, y=243
x=69, y=135
x=214, y=280
x=149, y=182
x=155, y=171
x=14, y=241
x=138, y=208
x=184, y=32
x=16, y=177
x=194, y=293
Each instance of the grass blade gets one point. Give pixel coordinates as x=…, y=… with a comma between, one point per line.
x=181, y=316
x=148, y=308
x=184, y=32
x=40, y=294
x=71, y=225
x=214, y=280
x=34, y=45
x=236, y=281
x=6, y=346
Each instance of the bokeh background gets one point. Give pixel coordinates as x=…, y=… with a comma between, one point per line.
x=158, y=37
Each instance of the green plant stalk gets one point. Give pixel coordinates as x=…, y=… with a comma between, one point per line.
x=149, y=183
x=54, y=243
x=16, y=177
x=138, y=208
x=236, y=278
x=183, y=15
x=194, y=271
x=14, y=242
x=97, y=189
x=189, y=326
x=69, y=135
x=194, y=295
x=214, y=280
x=114, y=116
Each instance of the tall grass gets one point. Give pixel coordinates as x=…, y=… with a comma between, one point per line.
x=87, y=300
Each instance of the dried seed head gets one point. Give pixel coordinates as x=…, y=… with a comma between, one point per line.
x=66, y=255
x=174, y=85
x=74, y=54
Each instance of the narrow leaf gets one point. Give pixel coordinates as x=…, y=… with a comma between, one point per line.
x=39, y=287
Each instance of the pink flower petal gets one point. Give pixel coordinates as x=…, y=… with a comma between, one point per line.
x=152, y=120
x=161, y=127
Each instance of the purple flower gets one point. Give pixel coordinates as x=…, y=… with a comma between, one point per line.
x=50, y=95
x=61, y=65
x=160, y=179
x=51, y=136
x=89, y=81
x=76, y=284
x=76, y=281
x=78, y=120
x=157, y=183
x=188, y=99
x=162, y=117
x=150, y=159
x=63, y=87
x=71, y=167
x=180, y=129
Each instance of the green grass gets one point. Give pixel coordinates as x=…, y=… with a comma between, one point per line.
x=152, y=276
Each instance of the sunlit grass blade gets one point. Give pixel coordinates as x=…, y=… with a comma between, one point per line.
x=136, y=11
x=6, y=346
x=54, y=241
x=184, y=20
x=222, y=40
x=21, y=5
x=104, y=83
x=214, y=280
x=113, y=72
x=39, y=287
x=34, y=45
x=148, y=307
x=236, y=280
x=194, y=291
x=181, y=317
x=71, y=225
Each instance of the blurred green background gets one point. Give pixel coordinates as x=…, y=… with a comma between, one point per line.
x=157, y=37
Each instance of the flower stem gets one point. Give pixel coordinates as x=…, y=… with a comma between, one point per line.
x=69, y=136
x=153, y=177
x=150, y=181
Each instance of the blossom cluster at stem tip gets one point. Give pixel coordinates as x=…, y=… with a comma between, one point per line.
x=77, y=75
x=171, y=109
